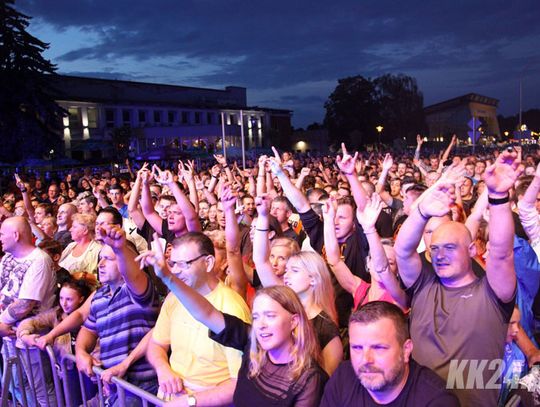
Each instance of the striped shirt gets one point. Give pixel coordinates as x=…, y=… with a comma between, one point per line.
x=121, y=319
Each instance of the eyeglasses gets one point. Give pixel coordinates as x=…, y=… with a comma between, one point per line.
x=185, y=264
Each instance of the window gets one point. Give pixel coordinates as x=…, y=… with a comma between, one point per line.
x=171, y=117
x=232, y=119
x=197, y=117
x=210, y=118
x=109, y=117
x=142, y=117
x=126, y=117
x=157, y=116
x=185, y=117
x=75, y=117
x=92, y=117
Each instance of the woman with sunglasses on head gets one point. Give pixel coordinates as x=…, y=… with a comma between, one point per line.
x=280, y=361
x=307, y=274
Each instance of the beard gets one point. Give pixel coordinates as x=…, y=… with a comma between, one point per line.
x=375, y=379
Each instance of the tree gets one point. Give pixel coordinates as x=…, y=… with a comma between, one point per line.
x=359, y=105
x=352, y=112
x=401, y=107
x=30, y=119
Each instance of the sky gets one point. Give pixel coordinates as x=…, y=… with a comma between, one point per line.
x=290, y=54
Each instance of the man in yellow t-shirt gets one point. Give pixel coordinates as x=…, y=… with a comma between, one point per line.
x=197, y=364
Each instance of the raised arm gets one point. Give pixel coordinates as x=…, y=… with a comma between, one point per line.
x=135, y=212
x=304, y=172
x=261, y=244
x=499, y=178
x=71, y=323
x=187, y=171
x=261, y=176
x=347, y=166
x=115, y=237
x=473, y=221
x=343, y=274
x=222, y=161
x=381, y=182
x=446, y=153
x=26, y=198
x=147, y=206
x=295, y=196
x=237, y=275
x=198, y=306
x=433, y=202
x=528, y=214
x=367, y=218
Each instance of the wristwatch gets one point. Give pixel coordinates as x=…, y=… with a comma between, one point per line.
x=191, y=401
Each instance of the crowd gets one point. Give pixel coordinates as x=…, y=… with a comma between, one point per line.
x=347, y=280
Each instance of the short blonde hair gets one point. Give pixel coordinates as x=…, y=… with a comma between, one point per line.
x=86, y=219
x=217, y=237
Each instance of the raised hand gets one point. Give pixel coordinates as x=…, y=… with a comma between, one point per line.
x=155, y=258
x=185, y=171
x=262, y=203
x=276, y=155
x=262, y=161
x=215, y=171
x=347, y=162
x=199, y=183
x=329, y=210
x=368, y=217
x=163, y=177
x=228, y=197
x=387, y=162
x=419, y=140
x=275, y=165
x=221, y=160
x=19, y=182
x=144, y=168
x=112, y=235
x=304, y=172
x=453, y=174
x=502, y=174
x=436, y=201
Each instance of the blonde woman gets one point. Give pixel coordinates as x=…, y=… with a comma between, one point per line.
x=280, y=361
x=82, y=254
x=307, y=274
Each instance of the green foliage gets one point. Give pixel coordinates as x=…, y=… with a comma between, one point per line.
x=358, y=105
x=30, y=120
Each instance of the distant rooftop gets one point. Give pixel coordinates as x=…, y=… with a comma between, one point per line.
x=97, y=90
x=460, y=100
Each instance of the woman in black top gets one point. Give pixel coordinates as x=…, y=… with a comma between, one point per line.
x=280, y=363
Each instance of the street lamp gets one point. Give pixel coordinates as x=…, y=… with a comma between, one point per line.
x=379, y=131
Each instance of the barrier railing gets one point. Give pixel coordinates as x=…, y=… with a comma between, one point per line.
x=31, y=382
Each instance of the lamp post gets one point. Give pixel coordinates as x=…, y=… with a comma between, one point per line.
x=379, y=129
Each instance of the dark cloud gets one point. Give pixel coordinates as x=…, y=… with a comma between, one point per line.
x=281, y=44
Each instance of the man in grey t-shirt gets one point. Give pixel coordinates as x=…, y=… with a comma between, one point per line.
x=458, y=321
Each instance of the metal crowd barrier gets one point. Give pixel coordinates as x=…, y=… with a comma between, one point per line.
x=19, y=379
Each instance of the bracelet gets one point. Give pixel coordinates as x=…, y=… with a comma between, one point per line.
x=370, y=231
x=382, y=270
x=262, y=230
x=498, y=201
x=421, y=214
x=23, y=190
x=347, y=173
x=213, y=176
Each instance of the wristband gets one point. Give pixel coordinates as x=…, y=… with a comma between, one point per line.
x=347, y=173
x=23, y=190
x=262, y=230
x=213, y=176
x=498, y=201
x=370, y=231
x=421, y=214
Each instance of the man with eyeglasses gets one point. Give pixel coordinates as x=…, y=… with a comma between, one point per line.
x=198, y=368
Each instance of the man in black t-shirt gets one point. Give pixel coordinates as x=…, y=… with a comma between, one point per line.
x=381, y=370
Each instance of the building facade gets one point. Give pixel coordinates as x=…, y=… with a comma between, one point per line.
x=452, y=116
x=157, y=115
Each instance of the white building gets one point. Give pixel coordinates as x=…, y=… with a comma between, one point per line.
x=180, y=117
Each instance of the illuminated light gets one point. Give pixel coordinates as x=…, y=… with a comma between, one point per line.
x=86, y=133
x=379, y=128
x=67, y=133
x=425, y=138
x=84, y=119
x=523, y=127
x=66, y=121
x=301, y=145
x=51, y=152
x=506, y=133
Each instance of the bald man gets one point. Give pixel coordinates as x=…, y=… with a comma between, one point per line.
x=63, y=220
x=458, y=320
x=26, y=287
